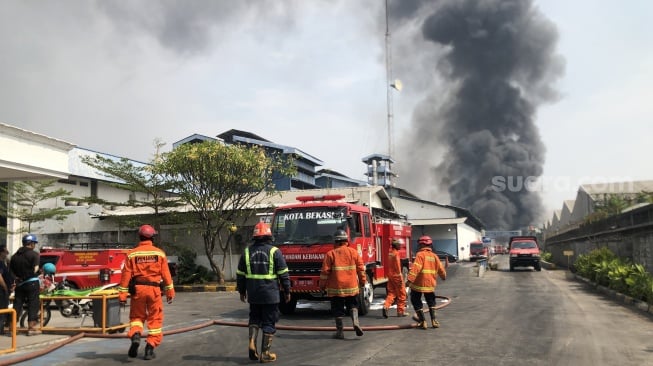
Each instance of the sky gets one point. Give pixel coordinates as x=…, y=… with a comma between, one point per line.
x=551, y=89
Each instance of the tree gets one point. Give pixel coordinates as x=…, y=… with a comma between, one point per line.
x=137, y=178
x=644, y=197
x=26, y=198
x=613, y=204
x=222, y=183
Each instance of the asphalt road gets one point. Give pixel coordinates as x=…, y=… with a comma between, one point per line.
x=503, y=318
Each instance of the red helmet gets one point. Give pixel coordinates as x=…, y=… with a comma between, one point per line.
x=425, y=240
x=146, y=231
x=261, y=230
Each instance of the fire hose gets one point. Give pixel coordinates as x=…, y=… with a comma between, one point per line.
x=75, y=337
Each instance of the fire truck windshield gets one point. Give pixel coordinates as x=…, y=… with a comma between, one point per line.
x=307, y=225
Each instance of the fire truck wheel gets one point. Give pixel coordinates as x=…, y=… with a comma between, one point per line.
x=366, y=295
x=46, y=317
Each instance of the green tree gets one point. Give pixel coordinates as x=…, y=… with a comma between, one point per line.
x=221, y=183
x=24, y=203
x=613, y=204
x=644, y=197
x=137, y=178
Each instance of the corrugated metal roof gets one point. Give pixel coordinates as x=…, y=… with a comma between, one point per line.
x=358, y=195
x=618, y=187
x=448, y=221
x=77, y=167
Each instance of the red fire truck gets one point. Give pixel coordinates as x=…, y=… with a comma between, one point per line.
x=304, y=231
x=86, y=265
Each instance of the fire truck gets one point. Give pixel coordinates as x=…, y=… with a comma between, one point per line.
x=304, y=231
x=86, y=265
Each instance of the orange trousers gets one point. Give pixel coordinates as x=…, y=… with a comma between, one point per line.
x=396, y=290
x=146, y=307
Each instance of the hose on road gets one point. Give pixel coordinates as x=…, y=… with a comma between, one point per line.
x=31, y=355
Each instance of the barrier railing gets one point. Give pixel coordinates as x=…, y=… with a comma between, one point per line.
x=109, y=307
x=12, y=330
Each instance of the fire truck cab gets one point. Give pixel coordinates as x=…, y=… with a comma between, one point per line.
x=304, y=233
x=86, y=265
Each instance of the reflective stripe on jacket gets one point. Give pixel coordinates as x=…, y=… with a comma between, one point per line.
x=423, y=272
x=260, y=269
x=148, y=263
x=343, y=272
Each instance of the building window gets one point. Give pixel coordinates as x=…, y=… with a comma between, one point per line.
x=68, y=181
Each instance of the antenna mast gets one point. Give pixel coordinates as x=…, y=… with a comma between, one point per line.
x=388, y=67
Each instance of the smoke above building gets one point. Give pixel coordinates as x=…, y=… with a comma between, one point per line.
x=475, y=131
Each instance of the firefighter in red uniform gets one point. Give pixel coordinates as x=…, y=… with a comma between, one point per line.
x=395, y=285
x=145, y=275
x=422, y=281
x=343, y=272
x=260, y=270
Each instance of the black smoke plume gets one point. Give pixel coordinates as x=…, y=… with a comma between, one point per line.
x=477, y=131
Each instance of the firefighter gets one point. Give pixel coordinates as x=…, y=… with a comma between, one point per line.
x=422, y=281
x=260, y=270
x=144, y=276
x=343, y=273
x=395, y=286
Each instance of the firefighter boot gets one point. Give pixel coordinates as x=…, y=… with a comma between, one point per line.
x=133, y=349
x=419, y=317
x=354, y=322
x=385, y=312
x=339, y=333
x=253, y=334
x=149, y=352
x=434, y=322
x=266, y=355
x=31, y=330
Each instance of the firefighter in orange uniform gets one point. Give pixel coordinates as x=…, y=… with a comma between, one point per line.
x=342, y=274
x=395, y=285
x=145, y=275
x=422, y=281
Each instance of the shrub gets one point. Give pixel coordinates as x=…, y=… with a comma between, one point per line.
x=189, y=272
x=603, y=267
x=546, y=256
x=618, y=272
x=640, y=284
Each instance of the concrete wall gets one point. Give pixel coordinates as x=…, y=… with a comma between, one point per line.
x=636, y=246
x=466, y=235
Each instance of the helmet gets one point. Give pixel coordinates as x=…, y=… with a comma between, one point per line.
x=340, y=236
x=397, y=242
x=261, y=230
x=29, y=238
x=425, y=240
x=49, y=269
x=146, y=231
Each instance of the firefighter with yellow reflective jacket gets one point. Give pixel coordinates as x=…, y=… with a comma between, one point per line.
x=260, y=270
x=145, y=275
x=422, y=280
x=343, y=272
